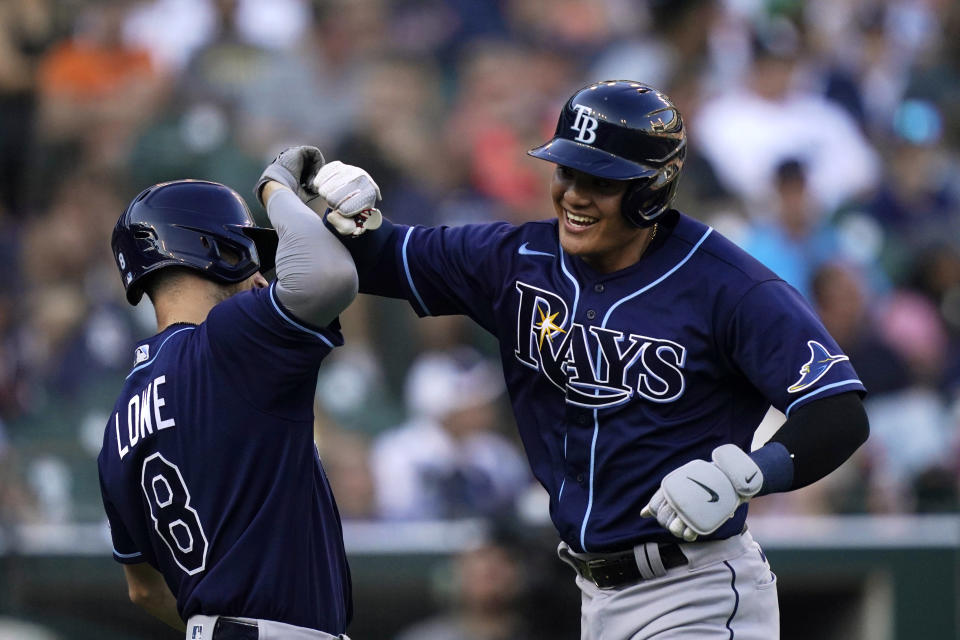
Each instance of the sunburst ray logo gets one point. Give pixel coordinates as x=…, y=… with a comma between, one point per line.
x=546, y=326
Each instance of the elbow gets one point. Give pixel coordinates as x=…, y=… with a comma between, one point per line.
x=862, y=427
x=343, y=284
x=349, y=284
x=143, y=596
x=323, y=301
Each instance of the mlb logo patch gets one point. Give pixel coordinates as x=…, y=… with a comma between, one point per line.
x=197, y=632
x=142, y=354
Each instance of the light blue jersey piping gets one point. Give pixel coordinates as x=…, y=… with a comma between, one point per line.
x=406, y=270
x=596, y=420
x=150, y=361
x=821, y=390
x=573, y=314
x=294, y=322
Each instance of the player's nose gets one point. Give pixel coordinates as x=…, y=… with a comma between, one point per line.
x=577, y=193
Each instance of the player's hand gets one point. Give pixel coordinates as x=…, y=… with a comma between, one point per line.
x=696, y=498
x=351, y=194
x=358, y=223
x=294, y=168
x=347, y=189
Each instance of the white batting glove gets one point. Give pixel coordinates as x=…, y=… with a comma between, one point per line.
x=347, y=189
x=696, y=498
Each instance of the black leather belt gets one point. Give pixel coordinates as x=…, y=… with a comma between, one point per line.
x=233, y=629
x=620, y=569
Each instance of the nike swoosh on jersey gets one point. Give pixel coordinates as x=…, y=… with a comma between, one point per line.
x=532, y=252
x=752, y=476
x=714, y=496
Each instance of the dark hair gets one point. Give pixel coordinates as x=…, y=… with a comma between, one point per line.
x=164, y=278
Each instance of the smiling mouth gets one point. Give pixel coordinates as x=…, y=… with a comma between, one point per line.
x=578, y=220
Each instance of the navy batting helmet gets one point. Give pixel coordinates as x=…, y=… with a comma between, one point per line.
x=190, y=223
x=623, y=130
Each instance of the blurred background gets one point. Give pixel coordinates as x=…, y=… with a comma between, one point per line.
x=823, y=138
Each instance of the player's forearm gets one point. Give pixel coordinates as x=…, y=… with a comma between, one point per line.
x=148, y=590
x=375, y=255
x=813, y=442
x=316, y=277
x=164, y=608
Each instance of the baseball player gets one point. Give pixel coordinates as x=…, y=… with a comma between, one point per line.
x=218, y=506
x=641, y=349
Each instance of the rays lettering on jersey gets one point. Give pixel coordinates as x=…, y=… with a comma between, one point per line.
x=594, y=366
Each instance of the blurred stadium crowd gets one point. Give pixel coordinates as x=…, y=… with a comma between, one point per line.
x=824, y=138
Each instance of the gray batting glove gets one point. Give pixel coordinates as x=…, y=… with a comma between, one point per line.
x=294, y=168
x=696, y=498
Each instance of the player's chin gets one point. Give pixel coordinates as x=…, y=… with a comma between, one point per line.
x=575, y=244
x=577, y=240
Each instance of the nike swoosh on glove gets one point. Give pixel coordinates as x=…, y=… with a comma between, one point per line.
x=696, y=498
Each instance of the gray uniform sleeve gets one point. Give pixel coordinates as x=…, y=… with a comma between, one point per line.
x=316, y=277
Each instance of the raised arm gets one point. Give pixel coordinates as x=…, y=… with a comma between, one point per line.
x=316, y=277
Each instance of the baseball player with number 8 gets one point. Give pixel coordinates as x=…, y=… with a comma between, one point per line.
x=641, y=350
x=219, y=508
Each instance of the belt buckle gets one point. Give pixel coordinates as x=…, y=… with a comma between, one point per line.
x=593, y=564
x=613, y=571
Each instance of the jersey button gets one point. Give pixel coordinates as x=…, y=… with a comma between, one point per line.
x=591, y=314
x=598, y=287
x=582, y=419
x=580, y=478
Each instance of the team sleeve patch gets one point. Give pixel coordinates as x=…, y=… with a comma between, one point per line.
x=821, y=360
x=779, y=344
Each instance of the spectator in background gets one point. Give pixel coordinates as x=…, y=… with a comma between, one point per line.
x=917, y=202
x=486, y=593
x=746, y=131
x=96, y=91
x=394, y=132
x=841, y=298
x=346, y=460
x=318, y=73
x=867, y=70
x=494, y=118
x=193, y=137
x=911, y=428
x=675, y=42
x=936, y=275
x=26, y=28
x=449, y=460
x=795, y=238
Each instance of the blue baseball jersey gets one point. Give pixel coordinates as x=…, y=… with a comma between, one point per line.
x=617, y=379
x=210, y=474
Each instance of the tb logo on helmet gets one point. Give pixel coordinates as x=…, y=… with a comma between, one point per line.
x=585, y=125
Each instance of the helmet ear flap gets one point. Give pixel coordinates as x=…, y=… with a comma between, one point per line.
x=646, y=199
x=643, y=205
x=634, y=201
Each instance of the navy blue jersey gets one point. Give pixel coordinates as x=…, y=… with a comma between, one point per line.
x=210, y=474
x=617, y=379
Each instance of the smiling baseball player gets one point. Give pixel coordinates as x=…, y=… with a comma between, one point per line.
x=641, y=350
